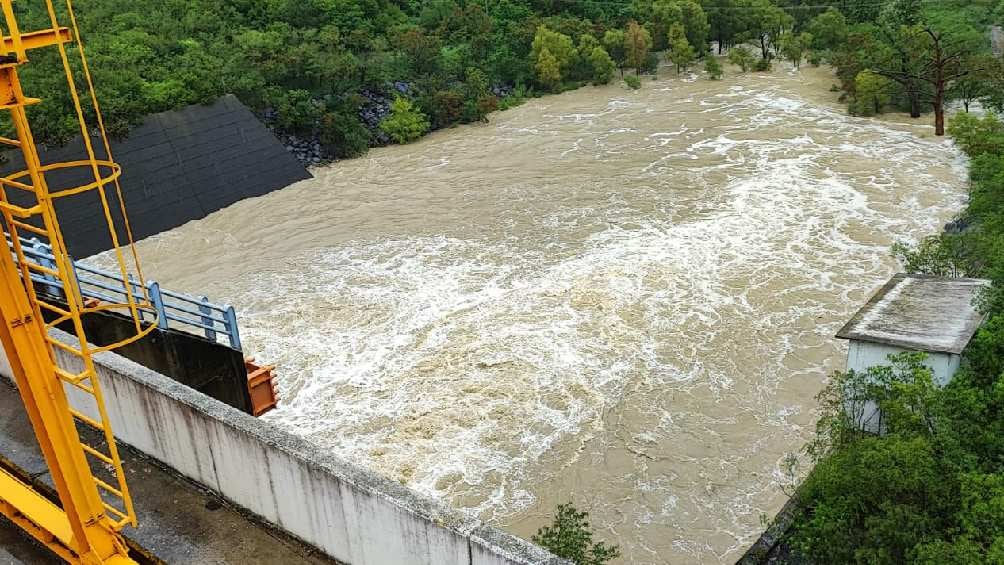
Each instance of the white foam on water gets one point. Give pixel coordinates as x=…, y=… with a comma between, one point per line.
x=539, y=349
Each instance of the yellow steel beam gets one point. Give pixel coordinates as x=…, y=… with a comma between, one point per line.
x=36, y=39
x=35, y=508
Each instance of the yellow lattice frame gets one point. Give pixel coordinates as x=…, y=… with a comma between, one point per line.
x=85, y=529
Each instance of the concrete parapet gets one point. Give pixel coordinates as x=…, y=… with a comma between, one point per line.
x=350, y=513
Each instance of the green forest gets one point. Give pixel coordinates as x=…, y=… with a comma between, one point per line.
x=350, y=74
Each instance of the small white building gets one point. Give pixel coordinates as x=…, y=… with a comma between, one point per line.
x=935, y=315
x=916, y=313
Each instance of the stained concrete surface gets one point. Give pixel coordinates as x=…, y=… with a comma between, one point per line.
x=178, y=522
x=920, y=313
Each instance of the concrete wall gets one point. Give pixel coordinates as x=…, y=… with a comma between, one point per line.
x=861, y=355
x=348, y=512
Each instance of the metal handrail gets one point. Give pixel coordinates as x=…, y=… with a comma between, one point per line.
x=187, y=312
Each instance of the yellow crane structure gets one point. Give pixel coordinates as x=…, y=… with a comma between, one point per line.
x=94, y=502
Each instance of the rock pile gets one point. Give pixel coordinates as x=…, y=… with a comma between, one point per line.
x=307, y=150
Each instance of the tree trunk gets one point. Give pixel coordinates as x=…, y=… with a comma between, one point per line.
x=939, y=118
x=914, y=103
x=940, y=88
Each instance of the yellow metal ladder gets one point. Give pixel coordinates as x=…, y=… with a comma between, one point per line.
x=83, y=378
x=57, y=380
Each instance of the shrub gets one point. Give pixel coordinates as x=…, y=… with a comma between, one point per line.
x=602, y=65
x=872, y=93
x=939, y=255
x=976, y=135
x=742, y=57
x=571, y=538
x=479, y=109
x=633, y=82
x=763, y=65
x=296, y=110
x=548, y=71
x=713, y=68
x=518, y=96
x=447, y=107
x=480, y=101
x=343, y=135
x=651, y=65
x=860, y=511
x=405, y=122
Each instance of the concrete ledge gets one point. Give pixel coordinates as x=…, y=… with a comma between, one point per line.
x=771, y=547
x=348, y=512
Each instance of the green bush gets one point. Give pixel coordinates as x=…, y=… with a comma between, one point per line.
x=633, y=82
x=405, y=122
x=978, y=135
x=742, y=57
x=942, y=255
x=763, y=65
x=570, y=537
x=651, y=65
x=445, y=108
x=602, y=65
x=343, y=135
x=518, y=96
x=713, y=68
x=297, y=111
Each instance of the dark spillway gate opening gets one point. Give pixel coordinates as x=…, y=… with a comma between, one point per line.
x=206, y=366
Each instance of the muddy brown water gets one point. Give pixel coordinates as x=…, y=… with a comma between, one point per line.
x=624, y=299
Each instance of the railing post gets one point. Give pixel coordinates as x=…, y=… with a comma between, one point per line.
x=158, y=304
x=39, y=248
x=235, y=336
x=207, y=318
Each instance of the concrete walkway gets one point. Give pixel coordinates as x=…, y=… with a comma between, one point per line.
x=178, y=521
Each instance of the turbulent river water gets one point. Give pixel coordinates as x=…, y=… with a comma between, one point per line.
x=624, y=299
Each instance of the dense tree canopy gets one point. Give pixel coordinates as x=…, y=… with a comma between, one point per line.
x=330, y=69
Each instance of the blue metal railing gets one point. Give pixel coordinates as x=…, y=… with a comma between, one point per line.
x=174, y=310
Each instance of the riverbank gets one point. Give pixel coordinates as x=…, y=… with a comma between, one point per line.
x=942, y=500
